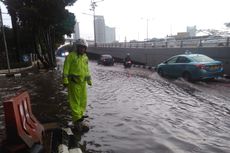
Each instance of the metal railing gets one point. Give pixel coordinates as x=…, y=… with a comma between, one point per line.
x=185, y=43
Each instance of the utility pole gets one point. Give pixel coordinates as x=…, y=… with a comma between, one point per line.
x=4, y=39
x=147, y=26
x=147, y=30
x=93, y=6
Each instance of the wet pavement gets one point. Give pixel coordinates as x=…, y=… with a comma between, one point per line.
x=135, y=110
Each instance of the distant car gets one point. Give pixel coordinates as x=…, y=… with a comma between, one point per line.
x=64, y=50
x=191, y=67
x=61, y=53
x=60, y=56
x=106, y=59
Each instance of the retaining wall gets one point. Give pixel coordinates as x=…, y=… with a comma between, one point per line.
x=154, y=56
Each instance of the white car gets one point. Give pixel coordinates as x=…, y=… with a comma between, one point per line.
x=61, y=53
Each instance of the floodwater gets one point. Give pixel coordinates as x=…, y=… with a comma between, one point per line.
x=135, y=110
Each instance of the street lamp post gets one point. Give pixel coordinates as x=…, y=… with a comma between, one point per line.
x=94, y=29
x=93, y=6
x=4, y=39
x=147, y=28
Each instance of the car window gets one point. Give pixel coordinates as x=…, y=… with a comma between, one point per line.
x=202, y=58
x=172, y=60
x=182, y=59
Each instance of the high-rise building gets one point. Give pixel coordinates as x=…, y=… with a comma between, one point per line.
x=100, y=29
x=76, y=31
x=110, y=35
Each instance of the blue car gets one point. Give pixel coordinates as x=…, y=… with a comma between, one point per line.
x=191, y=67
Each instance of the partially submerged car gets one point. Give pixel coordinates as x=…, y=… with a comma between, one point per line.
x=106, y=59
x=191, y=67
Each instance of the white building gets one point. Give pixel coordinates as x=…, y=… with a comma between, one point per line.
x=76, y=31
x=100, y=29
x=110, y=34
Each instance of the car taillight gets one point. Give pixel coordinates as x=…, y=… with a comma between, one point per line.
x=200, y=66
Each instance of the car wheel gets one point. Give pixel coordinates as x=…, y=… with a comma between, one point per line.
x=187, y=76
x=161, y=72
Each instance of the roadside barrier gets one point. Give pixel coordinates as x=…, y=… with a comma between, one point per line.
x=68, y=142
x=23, y=130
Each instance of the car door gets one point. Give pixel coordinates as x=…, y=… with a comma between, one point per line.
x=169, y=66
x=181, y=66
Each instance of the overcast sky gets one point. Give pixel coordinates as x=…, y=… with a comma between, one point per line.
x=165, y=17
x=6, y=17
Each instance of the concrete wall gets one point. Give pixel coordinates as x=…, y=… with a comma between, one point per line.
x=154, y=56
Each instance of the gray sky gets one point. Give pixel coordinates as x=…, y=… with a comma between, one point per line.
x=165, y=17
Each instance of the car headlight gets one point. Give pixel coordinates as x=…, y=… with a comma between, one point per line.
x=66, y=53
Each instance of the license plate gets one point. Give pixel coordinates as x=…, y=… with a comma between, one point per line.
x=214, y=67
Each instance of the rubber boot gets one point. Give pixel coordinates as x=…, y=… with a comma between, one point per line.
x=81, y=127
x=84, y=127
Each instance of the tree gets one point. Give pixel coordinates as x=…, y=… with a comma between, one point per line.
x=39, y=25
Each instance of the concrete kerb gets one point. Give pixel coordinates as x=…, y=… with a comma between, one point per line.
x=14, y=72
x=152, y=68
x=17, y=72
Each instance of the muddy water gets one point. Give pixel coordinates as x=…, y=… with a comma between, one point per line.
x=136, y=111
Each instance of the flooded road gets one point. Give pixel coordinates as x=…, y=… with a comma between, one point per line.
x=136, y=111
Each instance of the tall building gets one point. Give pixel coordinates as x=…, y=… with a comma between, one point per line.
x=76, y=31
x=110, y=35
x=100, y=29
x=192, y=31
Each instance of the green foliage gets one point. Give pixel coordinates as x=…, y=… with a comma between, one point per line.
x=40, y=23
x=66, y=25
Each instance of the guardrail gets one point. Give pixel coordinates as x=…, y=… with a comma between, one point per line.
x=185, y=43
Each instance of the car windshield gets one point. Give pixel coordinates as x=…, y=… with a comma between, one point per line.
x=171, y=60
x=202, y=58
